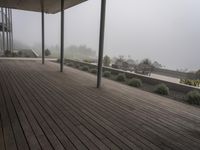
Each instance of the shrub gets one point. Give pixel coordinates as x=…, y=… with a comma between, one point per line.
x=161, y=89
x=87, y=61
x=198, y=74
x=107, y=74
x=113, y=72
x=77, y=66
x=121, y=77
x=106, y=61
x=7, y=53
x=135, y=82
x=70, y=64
x=93, y=71
x=193, y=97
x=47, y=52
x=85, y=68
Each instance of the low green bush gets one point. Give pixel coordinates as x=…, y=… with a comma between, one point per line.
x=107, y=74
x=193, y=97
x=70, y=64
x=77, y=66
x=93, y=71
x=113, y=72
x=85, y=68
x=162, y=89
x=121, y=77
x=135, y=82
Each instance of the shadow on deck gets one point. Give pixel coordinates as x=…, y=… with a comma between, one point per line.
x=41, y=108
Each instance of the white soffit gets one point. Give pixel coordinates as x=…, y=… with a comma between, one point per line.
x=50, y=6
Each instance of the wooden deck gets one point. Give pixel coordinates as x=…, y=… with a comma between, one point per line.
x=41, y=108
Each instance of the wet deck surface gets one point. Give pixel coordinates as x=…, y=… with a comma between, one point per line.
x=41, y=108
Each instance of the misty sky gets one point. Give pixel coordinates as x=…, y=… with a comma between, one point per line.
x=167, y=31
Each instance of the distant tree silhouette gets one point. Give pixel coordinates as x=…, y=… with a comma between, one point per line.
x=145, y=67
x=198, y=74
x=122, y=63
x=156, y=64
x=106, y=61
x=81, y=52
x=146, y=62
x=47, y=52
x=7, y=53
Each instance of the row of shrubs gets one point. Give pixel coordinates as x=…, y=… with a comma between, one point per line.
x=190, y=82
x=192, y=97
x=161, y=89
x=122, y=78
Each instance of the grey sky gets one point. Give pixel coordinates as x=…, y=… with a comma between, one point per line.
x=164, y=30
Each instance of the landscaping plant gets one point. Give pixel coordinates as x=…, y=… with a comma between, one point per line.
x=85, y=68
x=162, y=89
x=193, y=97
x=121, y=77
x=93, y=71
x=107, y=74
x=135, y=82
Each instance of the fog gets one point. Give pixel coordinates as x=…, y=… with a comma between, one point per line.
x=164, y=31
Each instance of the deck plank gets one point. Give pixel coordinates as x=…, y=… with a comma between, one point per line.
x=34, y=125
x=68, y=132
x=47, y=130
x=116, y=140
x=2, y=145
x=30, y=137
x=52, y=110
x=79, y=134
x=9, y=138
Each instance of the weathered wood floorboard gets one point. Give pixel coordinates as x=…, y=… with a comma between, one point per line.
x=41, y=108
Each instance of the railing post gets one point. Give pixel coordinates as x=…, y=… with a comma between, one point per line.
x=101, y=42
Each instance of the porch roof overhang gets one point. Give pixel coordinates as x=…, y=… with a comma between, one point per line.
x=48, y=6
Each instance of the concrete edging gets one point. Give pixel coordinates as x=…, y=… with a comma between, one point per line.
x=145, y=79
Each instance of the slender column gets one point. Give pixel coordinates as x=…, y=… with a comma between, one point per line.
x=1, y=41
x=3, y=29
x=11, y=28
x=101, y=42
x=7, y=41
x=62, y=36
x=42, y=37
